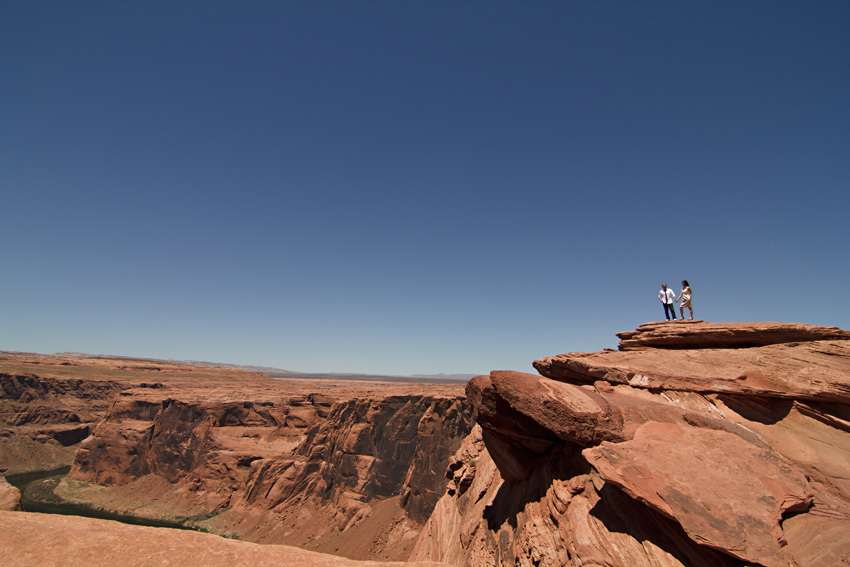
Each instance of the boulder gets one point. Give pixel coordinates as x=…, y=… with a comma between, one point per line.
x=726, y=493
x=10, y=497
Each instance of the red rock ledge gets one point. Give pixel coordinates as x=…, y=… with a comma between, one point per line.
x=699, y=334
x=47, y=540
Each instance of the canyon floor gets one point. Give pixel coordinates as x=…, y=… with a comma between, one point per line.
x=694, y=445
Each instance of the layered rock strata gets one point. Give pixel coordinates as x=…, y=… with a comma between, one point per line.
x=42, y=419
x=813, y=371
x=303, y=470
x=50, y=403
x=188, y=457
x=656, y=457
x=689, y=334
x=351, y=467
x=362, y=482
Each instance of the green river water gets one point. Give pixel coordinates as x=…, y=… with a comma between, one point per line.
x=37, y=495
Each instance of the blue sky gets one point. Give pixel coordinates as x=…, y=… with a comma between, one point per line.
x=415, y=187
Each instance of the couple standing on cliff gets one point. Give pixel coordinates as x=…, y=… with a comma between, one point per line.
x=668, y=296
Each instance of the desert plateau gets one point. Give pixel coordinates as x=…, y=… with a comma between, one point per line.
x=694, y=444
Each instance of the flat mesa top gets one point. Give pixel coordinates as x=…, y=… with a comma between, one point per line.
x=215, y=383
x=689, y=334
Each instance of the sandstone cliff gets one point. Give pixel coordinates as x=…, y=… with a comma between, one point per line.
x=187, y=457
x=361, y=483
x=42, y=419
x=353, y=476
x=696, y=445
x=50, y=403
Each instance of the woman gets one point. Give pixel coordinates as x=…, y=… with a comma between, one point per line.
x=686, y=297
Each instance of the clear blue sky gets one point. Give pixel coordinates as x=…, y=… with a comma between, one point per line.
x=415, y=187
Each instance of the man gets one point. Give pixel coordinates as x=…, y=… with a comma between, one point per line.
x=668, y=298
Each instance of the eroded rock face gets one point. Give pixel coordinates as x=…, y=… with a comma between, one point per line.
x=726, y=493
x=197, y=452
x=523, y=416
x=43, y=419
x=817, y=371
x=371, y=460
x=349, y=467
x=397, y=446
x=297, y=470
x=676, y=457
x=564, y=515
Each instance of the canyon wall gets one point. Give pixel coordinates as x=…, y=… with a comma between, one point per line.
x=361, y=483
x=701, y=453
x=43, y=419
x=302, y=469
x=170, y=457
x=349, y=467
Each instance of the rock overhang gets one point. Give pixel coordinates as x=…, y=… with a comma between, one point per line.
x=658, y=424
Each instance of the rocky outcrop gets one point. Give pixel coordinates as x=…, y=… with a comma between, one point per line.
x=689, y=334
x=674, y=457
x=58, y=541
x=684, y=473
x=28, y=388
x=10, y=497
x=43, y=419
x=815, y=371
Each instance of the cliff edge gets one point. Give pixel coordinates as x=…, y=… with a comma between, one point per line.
x=695, y=445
